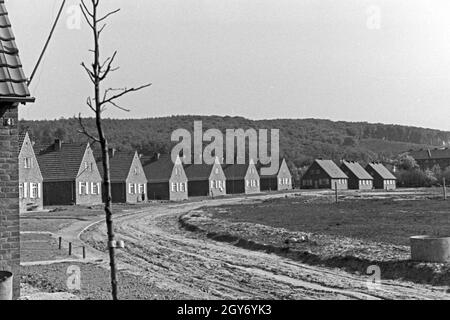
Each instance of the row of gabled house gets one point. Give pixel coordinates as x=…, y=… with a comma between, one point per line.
x=326, y=174
x=68, y=173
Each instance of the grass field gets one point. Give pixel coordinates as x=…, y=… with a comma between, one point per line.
x=383, y=220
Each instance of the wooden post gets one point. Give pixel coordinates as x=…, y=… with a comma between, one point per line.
x=60, y=243
x=70, y=248
x=445, y=189
x=336, y=191
x=84, y=252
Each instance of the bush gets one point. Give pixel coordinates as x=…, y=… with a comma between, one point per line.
x=415, y=178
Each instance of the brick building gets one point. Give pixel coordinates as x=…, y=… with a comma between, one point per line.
x=428, y=158
x=242, y=178
x=382, y=177
x=282, y=180
x=30, y=177
x=128, y=180
x=324, y=174
x=358, y=177
x=13, y=91
x=166, y=180
x=70, y=173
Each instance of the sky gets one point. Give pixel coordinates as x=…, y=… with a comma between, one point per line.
x=353, y=60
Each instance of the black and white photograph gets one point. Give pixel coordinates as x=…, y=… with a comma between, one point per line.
x=224, y=156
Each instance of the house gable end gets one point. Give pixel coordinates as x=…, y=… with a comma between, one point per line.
x=26, y=150
x=90, y=159
x=136, y=163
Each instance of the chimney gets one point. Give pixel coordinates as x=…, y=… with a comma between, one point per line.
x=112, y=152
x=58, y=144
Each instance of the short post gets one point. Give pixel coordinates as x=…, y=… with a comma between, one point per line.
x=60, y=243
x=445, y=189
x=336, y=191
x=70, y=248
x=84, y=252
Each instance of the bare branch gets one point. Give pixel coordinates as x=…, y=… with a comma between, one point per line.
x=107, y=15
x=86, y=9
x=124, y=92
x=85, y=13
x=85, y=131
x=108, y=68
x=89, y=72
x=89, y=103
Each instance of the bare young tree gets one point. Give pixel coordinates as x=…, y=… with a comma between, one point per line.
x=98, y=71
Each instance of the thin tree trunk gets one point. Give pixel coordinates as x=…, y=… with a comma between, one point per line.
x=106, y=192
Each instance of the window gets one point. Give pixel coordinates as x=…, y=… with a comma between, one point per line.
x=28, y=163
x=136, y=170
x=131, y=188
x=217, y=171
x=25, y=189
x=212, y=184
x=247, y=183
x=174, y=187
x=95, y=188
x=141, y=188
x=34, y=189
x=83, y=188
x=182, y=187
x=21, y=191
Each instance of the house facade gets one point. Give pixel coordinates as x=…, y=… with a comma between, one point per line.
x=282, y=180
x=127, y=176
x=242, y=178
x=284, y=177
x=71, y=175
x=13, y=91
x=382, y=177
x=358, y=177
x=206, y=180
x=166, y=179
x=324, y=174
x=429, y=158
x=30, y=177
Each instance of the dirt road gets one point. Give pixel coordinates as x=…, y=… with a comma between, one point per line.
x=199, y=268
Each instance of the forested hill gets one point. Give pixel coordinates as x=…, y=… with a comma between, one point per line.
x=300, y=140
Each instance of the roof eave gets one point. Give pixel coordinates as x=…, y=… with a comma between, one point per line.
x=22, y=100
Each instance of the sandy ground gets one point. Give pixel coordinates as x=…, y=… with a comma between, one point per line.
x=199, y=268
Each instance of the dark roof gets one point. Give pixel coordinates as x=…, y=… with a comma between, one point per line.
x=382, y=171
x=119, y=165
x=235, y=171
x=13, y=82
x=159, y=170
x=331, y=169
x=21, y=139
x=438, y=153
x=63, y=164
x=357, y=170
x=196, y=172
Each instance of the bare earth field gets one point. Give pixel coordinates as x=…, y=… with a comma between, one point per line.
x=164, y=259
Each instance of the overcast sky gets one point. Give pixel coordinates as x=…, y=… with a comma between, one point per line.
x=331, y=59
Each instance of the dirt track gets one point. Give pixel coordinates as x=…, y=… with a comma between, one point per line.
x=160, y=252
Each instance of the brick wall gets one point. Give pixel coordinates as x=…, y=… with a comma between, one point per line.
x=9, y=196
